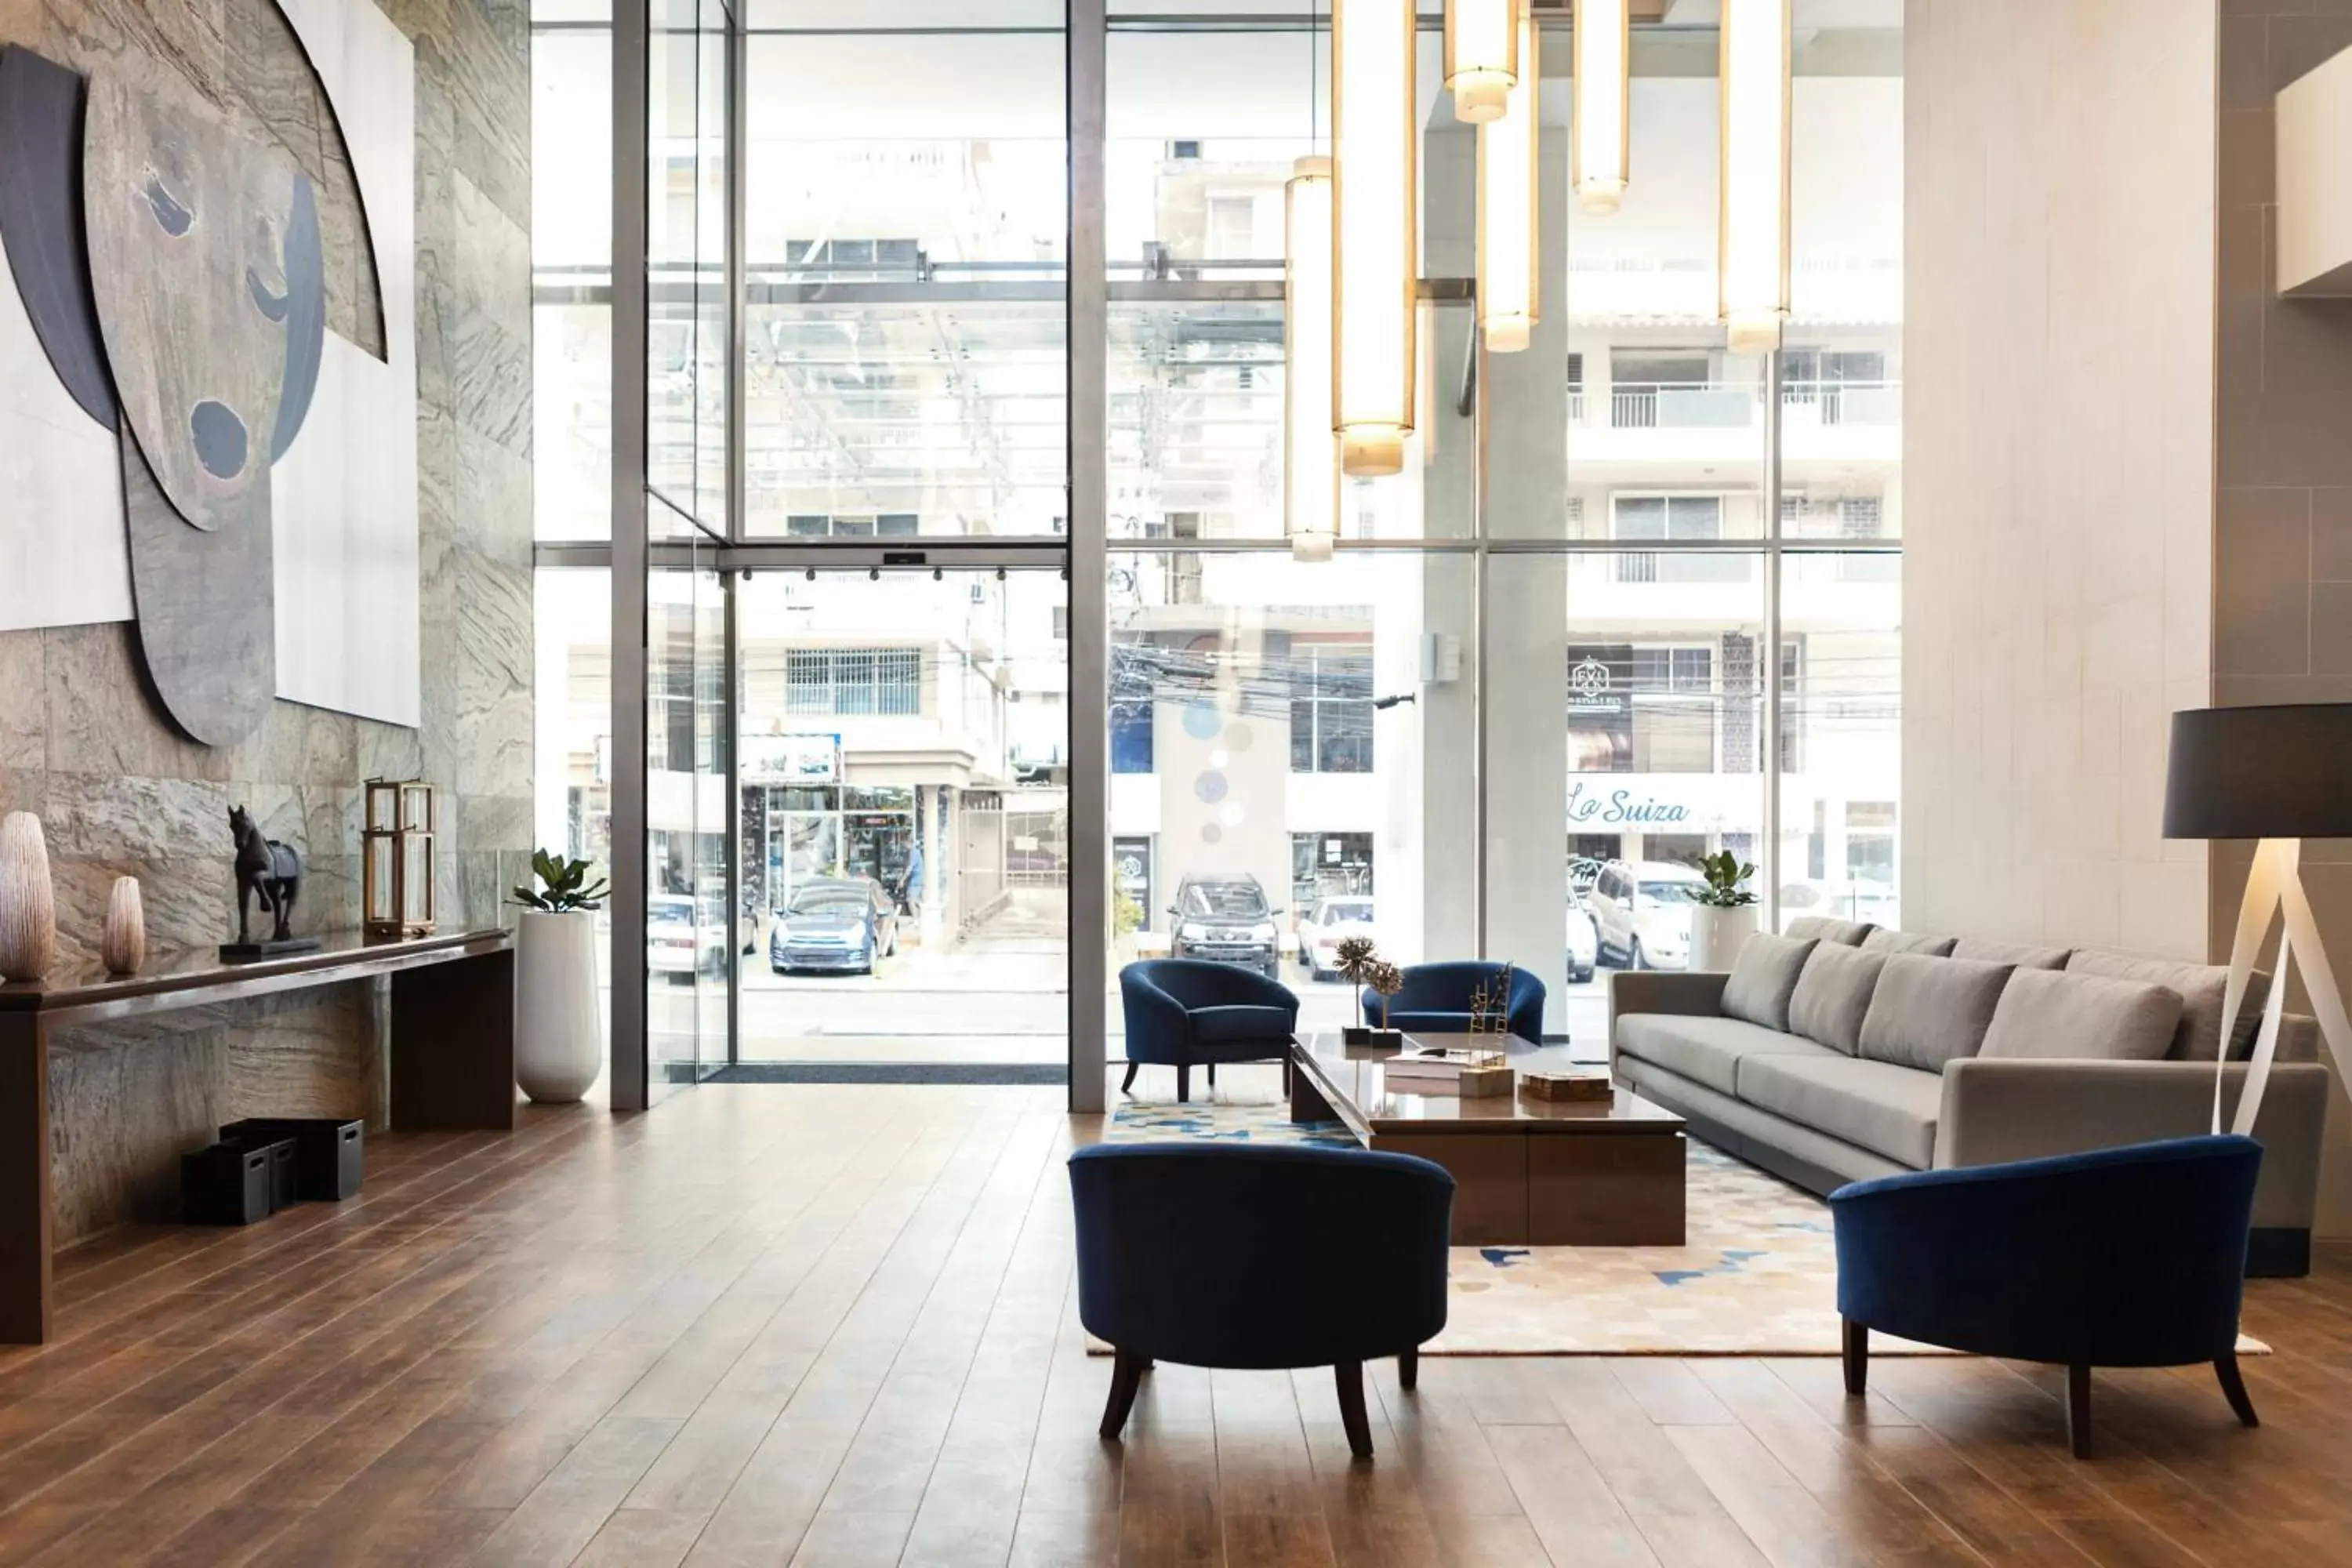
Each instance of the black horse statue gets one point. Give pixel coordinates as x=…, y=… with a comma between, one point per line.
x=268, y=867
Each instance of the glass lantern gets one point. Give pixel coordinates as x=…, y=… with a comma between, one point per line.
x=396, y=859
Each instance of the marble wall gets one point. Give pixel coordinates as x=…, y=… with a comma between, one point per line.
x=2282, y=514
x=82, y=744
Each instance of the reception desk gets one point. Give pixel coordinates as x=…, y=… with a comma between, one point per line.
x=451, y=1059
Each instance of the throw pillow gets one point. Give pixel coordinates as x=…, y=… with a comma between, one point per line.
x=1832, y=996
x=2025, y=955
x=1881, y=939
x=1763, y=978
x=1821, y=928
x=1928, y=1011
x=2198, y=1038
x=2047, y=1013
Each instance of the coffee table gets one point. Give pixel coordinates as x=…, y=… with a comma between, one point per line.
x=1526, y=1173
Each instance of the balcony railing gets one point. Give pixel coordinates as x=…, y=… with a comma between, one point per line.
x=1717, y=405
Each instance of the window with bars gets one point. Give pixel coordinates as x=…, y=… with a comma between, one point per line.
x=1331, y=708
x=848, y=682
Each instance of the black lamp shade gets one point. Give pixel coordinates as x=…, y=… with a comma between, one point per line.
x=2261, y=773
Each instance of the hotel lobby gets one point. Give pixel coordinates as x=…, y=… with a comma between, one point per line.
x=1070, y=782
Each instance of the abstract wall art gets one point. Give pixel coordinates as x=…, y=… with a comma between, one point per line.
x=208, y=456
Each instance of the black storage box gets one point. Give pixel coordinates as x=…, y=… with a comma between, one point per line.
x=227, y=1184
x=330, y=1153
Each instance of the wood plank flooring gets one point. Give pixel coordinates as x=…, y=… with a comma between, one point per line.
x=836, y=1325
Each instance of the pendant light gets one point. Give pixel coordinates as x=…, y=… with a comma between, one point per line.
x=1482, y=55
x=1310, y=477
x=1602, y=66
x=1508, y=149
x=1753, y=242
x=1374, y=231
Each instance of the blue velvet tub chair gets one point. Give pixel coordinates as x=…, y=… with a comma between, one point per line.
x=1436, y=999
x=1188, y=1012
x=1260, y=1255
x=2128, y=1257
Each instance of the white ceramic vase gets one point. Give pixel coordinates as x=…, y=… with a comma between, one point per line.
x=126, y=928
x=28, y=904
x=559, y=1025
x=1717, y=935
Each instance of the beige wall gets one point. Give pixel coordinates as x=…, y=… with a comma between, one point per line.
x=2283, y=514
x=2058, y=471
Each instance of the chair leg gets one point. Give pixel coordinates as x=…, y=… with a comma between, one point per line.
x=1127, y=1082
x=1183, y=1086
x=1126, y=1375
x=2078, y=1411
x=1857, y=1359
x=1349, y=1375
x=2233, y=1389
x=1409, y=1369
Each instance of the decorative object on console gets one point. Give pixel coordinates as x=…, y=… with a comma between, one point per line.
x=28, y=909
x=1725, y=917
x=397, y=860
x=559, y=1031
x=273, y=872
x=126, y=928
x=2274, y=774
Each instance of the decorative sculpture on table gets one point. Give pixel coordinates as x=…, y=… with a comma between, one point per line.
x=126, y=928
x=273, y=872
x=1490, y=1003
x=29, y=914
x=1354, y=960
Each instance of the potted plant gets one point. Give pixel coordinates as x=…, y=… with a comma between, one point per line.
x=1386, y=980
x=1355, y=958
x=559, y=1029
x=1726, y=916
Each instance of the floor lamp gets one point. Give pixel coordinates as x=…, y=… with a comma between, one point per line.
x=2280, y=775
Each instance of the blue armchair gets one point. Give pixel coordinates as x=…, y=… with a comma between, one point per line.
x=2129, y=1256
x=1260, y=1255
x=1436, y=998
x=1184, y=1011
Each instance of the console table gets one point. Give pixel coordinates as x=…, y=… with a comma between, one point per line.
x=451, y=1059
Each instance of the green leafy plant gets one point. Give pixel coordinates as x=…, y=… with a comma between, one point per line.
x=566, y=886
x=1126, y=913
x=1726, y=881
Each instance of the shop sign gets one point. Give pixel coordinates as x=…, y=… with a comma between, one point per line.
x=1604, y=806
x=791, y=759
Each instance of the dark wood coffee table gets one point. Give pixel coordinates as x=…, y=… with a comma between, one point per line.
x=1526, y=1173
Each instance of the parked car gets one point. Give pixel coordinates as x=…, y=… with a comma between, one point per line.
x=1863, y=898
x=1225, y=916
x=1331, y=921
x=840, y=923
x=1641, y=913
x=1583, y=941
x=679, y=945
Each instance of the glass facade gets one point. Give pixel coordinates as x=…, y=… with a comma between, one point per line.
x=1634, y=597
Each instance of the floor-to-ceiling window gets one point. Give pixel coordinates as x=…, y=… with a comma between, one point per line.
x=1634, y=597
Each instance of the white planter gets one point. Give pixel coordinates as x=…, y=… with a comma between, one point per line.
x=559, y=1027
x=1718, y=934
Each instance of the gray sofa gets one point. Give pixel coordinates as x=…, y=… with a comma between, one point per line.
x=1841, y=1052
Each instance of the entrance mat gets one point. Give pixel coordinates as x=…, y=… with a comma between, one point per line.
x=1758, y=1274
x=1027, y=1073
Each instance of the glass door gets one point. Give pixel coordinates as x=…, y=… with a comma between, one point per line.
x=904, y=805
x=691, y=945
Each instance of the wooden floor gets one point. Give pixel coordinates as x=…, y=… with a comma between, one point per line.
x=835, y=1325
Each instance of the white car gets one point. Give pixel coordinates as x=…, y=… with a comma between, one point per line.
x=677, y=944
x=1641, y=913
x=1583, y=942
x=1331, y=921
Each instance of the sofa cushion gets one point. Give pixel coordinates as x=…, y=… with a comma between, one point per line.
x=1763, y=977
x=1832, y=995
x=1703, y=1050
x=1926, y=1011
x=1878, y=1106
x=2049, y=1012
x=1882, y=940
x=1241, y=1021
x=2023, y=954
x=1822, y=927
x=2198, y=1038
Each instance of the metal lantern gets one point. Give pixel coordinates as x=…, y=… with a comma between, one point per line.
x=397, y=871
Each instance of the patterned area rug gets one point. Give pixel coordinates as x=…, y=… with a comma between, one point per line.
x=1758, y=1276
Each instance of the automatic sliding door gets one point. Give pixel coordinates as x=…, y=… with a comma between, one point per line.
x=690, y=944
x=904, y=804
